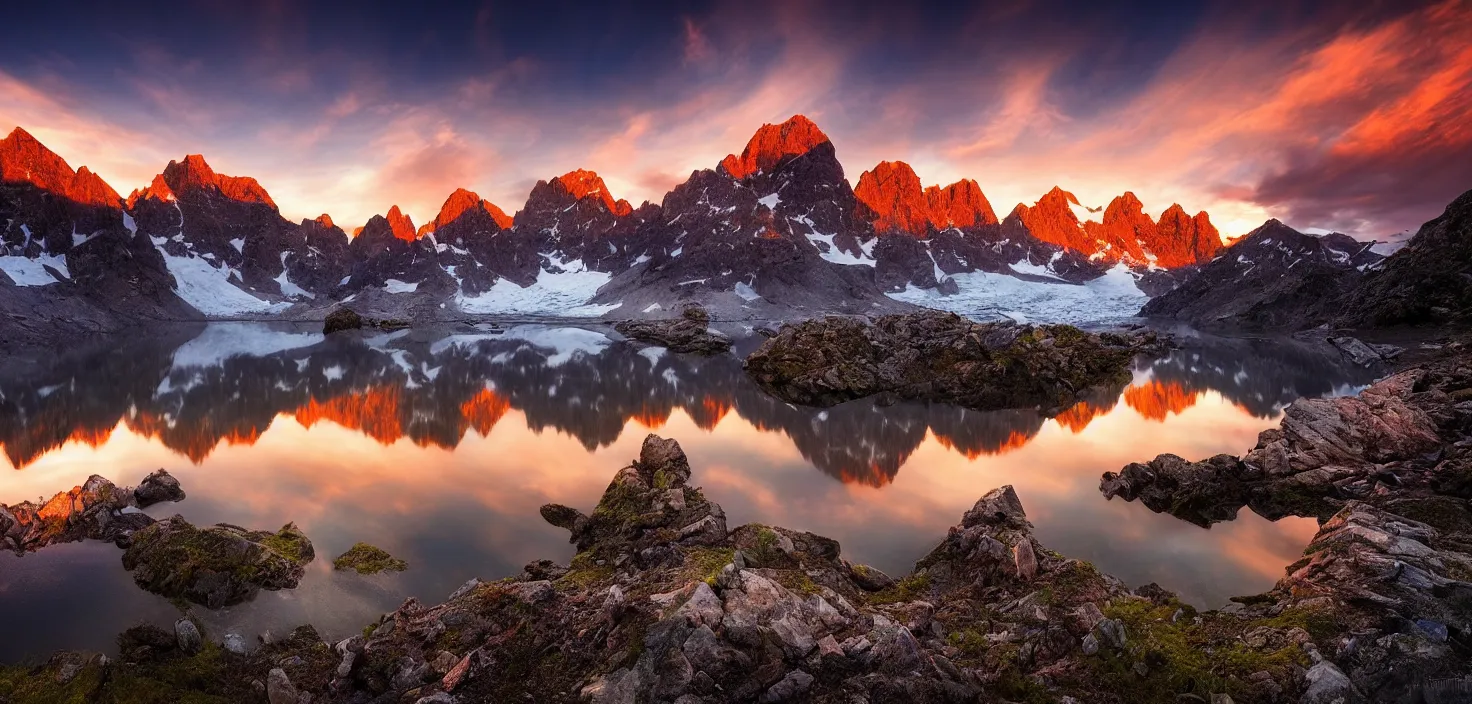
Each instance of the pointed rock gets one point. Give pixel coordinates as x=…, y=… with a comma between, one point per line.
x=1182, y=240
x=772, y=144
x=194, y=174
x=1053, y=219
x=892, y=191
x=961, y=204
x=400, y=224
x=581, y=183
x=461, y=202
x=23, y=159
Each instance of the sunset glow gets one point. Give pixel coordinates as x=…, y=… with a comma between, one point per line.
x=1320, y=120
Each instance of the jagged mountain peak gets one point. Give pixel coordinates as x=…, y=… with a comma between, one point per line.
x=893, y=192
x=25, y=159
x=323, y=220
x=772, y=144
x=460, y=202
x=193, y=174
x=400, y=224
x=581, y=183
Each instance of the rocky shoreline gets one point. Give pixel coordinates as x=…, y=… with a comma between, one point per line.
x=664, y=603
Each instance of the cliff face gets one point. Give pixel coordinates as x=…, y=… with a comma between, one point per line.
x=892, y=191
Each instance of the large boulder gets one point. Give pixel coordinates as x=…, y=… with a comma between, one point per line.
x=216, y=566
x=941, y=357
x=342, y=319
x=688, y=333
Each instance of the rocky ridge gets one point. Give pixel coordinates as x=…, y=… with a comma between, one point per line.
x=96, y=510
x=776, y=231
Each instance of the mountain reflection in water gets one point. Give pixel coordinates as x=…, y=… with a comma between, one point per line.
x=434, y=446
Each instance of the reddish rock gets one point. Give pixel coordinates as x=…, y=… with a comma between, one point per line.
x=1052, y=220
x=961, y=204
x=892, y=191
x=324, y=220
x=587, y=184
x=1182, y=240
x=1124, y=228
x=194, y=174
x=773, y=143
x=462, y=201
x=25, y=160
x=400, y=224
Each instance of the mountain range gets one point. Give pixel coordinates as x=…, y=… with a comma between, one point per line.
x=773, y=232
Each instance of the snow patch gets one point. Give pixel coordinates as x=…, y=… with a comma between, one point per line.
x=291, y=290
x=565, y=293
x=746, y=293
x=653, y=354
x=397, y=286
x=770, y=201
x=1113, y=296
x=560, y=344
x=25, y=271
x=653, y=307
x=222, y=341
x=239, y=244
x=209, y=290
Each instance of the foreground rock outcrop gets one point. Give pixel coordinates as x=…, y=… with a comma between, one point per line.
x=96, y=510
x=942, y=357
x=689, y=333
x=664, y=603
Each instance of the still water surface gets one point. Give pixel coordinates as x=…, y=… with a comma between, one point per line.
x=440, y=447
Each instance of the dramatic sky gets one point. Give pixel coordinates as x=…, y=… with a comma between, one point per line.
x=1350, y=116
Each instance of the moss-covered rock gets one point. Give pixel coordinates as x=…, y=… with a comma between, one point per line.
x=216, y=566
x=943, y=357
x=367, y=559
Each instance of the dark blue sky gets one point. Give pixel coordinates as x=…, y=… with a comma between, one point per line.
x=1247, y=109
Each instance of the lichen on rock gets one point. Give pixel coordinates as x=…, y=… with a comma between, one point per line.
x=367, y=559
x=216, y=566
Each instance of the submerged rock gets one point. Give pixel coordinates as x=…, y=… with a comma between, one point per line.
x=366, y=559
x=688, y=333
x=216, y=566
x=942, y=357
x=342, y=319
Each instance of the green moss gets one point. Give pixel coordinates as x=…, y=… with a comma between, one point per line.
x=367, y=559
x=584, y=572
x=289, y=543
x=25, y=685
x=706, y=563
x=969, y=642
x=908, y=589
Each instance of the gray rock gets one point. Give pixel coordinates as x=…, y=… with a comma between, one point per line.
x=156, y=488
x=1328, y=684
x=187, y=636
x=279, y=689
x=1025, y=560
x=703, y=607
x=1110, y=632
x=235, y=643
x=437, y=698
x=465, y=589
x=793, y=685
x=345, y=667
